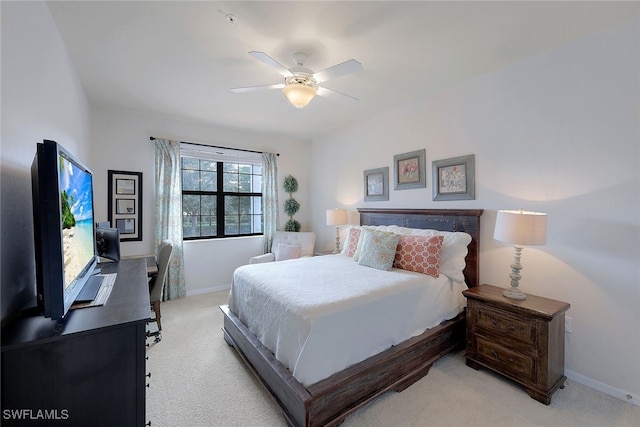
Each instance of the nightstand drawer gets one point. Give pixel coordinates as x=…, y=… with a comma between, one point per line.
x=508, y=326
x=507, y=361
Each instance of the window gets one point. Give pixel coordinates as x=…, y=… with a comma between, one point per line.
x=221, y=198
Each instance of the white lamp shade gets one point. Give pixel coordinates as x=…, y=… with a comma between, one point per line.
x=299, y=94
x=521, y=228
x=336, y=217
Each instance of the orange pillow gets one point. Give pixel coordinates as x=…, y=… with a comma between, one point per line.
x=354, y=237
x=420, y=254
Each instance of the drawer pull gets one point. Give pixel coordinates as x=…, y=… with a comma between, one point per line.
x=510, y=328
x=509, y=360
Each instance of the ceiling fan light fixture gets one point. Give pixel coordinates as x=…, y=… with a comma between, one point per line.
x=299, y=94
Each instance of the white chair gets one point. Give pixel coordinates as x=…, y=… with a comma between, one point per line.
x=285, y=240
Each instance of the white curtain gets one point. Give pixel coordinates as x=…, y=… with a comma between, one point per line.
x=168, y=212
x=269, y=198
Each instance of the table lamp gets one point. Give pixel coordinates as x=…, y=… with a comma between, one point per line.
x=337, y=217
x=521, y=228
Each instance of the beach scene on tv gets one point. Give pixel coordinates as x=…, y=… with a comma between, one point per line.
x=76, y=201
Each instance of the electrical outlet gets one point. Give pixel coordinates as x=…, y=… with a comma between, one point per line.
x=567, y=325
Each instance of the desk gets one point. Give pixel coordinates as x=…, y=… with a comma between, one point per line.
x=152, y=266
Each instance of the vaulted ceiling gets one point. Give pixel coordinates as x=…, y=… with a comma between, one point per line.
x=181, y=58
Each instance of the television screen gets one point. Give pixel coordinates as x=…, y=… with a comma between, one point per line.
x=64, y=231
x=76, y=202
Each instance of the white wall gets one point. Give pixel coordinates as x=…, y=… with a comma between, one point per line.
x=42, y=98
x=120, y=141
x=558, y=133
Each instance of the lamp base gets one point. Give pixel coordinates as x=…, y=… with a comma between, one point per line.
x=514, y=293
x=337, y=249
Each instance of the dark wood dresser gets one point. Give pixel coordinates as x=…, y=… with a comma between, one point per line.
x=87, y=369
x=520, y=339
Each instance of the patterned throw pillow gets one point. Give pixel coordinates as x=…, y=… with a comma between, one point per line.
x=378, y=249
x=352, y=242
x=420, y=254
x=454, y=251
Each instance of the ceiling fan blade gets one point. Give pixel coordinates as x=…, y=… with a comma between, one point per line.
x=330, y=93
x=266, y=59
x=256, y=88
x=347, y=67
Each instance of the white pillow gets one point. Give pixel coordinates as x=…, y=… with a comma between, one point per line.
x=285, y=251
x=454, y=248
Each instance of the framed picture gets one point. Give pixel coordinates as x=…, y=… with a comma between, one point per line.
x=454, y=178
x=125, y=203
x=376, y=184
x=125, y=206
x=126, y=226
x=409, y=170
x=125, y=186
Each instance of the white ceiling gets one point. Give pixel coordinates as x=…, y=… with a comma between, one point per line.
x=181, y=58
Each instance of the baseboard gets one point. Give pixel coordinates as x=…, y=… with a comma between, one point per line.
x=603, y=388
x=207, y=290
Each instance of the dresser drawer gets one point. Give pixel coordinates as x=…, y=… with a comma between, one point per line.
x=505, y=360
x=500, y=322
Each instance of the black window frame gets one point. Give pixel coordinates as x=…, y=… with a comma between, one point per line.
x=220, y=195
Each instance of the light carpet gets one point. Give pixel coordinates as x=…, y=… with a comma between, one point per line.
x=198, y=380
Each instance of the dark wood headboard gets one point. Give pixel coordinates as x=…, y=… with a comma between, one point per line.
x=465, y=220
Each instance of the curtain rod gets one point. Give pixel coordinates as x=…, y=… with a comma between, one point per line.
x=152, y=138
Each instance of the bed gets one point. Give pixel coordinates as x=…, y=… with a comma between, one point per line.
x=327, y=401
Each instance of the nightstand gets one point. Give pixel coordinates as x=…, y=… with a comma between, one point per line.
x=520, y=339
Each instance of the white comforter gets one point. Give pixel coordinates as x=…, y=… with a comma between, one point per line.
x=320, y=315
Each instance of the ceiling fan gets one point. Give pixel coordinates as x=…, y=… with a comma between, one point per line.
x=301, y=84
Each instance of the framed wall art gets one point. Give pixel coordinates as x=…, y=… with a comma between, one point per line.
x=125, y=203
x=409, y=170
x=454, y=178
x=376, y=184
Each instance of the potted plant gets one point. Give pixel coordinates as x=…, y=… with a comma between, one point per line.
x=291, y=205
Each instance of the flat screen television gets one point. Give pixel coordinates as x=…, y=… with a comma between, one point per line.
x=63, y=217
